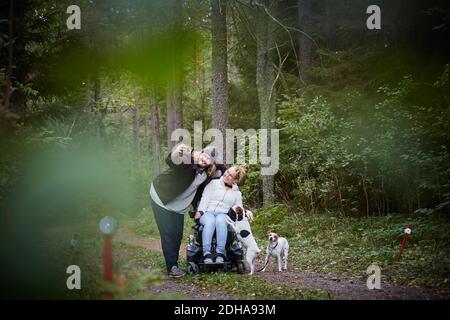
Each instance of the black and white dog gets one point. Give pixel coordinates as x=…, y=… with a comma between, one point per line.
x=277, y=247
x=244, y=234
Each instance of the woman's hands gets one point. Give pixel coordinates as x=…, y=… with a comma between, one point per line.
x=197, y=215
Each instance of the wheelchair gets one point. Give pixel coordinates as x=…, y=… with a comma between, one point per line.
x=194, y=252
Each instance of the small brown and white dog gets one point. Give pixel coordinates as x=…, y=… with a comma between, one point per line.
x=277, y=247
x=244, y=234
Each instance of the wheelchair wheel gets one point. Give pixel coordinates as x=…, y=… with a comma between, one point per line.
x=192, y=268
x=240, y=267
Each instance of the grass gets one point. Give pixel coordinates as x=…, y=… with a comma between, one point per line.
x=144, y=224
x=134, y=268
x=247, y=287
x=328, y=242
x=332, y=243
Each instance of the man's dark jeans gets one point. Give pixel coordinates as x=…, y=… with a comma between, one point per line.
x=170, y=225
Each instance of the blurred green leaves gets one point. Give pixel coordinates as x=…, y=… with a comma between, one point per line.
x=153, y=59
x=373, y=155
x=58, y=185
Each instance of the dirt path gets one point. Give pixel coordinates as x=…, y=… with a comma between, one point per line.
x=348, y=288
x=126, y=236
x=187, y=291
x=169, y=285
x=338, y=285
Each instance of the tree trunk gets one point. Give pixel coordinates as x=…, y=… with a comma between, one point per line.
x=96, y=104
x=265, y=78
x=328, y=24
x=341, y=205
x=121, y=120
x=146, y=122
x=96, y=88
x=8, y=86
x=219, y=88
x=174, y=109
x=312, y=207
x=366, y=195
x=174, y=85
x=156, y=152
x=204, y=97
x=305, y=50
x=198, y=62
x=136, y=149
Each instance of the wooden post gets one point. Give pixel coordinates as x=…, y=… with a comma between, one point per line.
x=108, y=226
x=405, y=238
x=107, y=263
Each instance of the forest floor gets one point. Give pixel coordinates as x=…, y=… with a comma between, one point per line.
x=316, y=285
x=315, y=270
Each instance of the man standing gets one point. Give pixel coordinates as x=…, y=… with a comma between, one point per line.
x=174, y=190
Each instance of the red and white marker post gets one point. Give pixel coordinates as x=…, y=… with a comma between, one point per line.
x=405, y=238
x=107, y=263
x=108, y=226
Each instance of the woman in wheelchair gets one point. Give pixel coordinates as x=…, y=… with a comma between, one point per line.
x=218, y=197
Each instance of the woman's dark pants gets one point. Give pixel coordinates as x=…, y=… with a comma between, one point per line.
x=170, y=225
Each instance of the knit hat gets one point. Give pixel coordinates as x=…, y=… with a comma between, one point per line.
x=211, y=151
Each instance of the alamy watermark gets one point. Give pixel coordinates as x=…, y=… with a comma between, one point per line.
x=74, y=280
x=374, y=279
x=74, y=20
x=261, y=148
x=373, y=22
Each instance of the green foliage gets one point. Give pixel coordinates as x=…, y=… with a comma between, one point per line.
x=272, y=218
x=361, y=154
x=329, y=242
x=144, y=223
x=366, y=135
x=251, y=187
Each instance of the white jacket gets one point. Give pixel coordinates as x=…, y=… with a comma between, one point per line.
x=217, y=198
